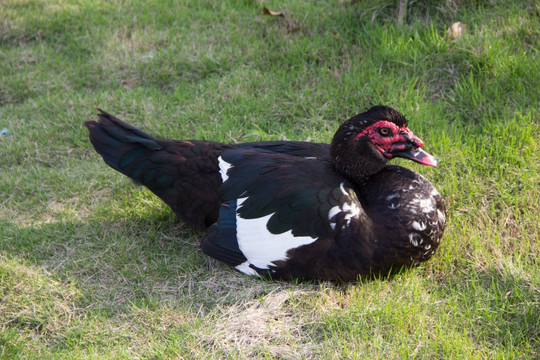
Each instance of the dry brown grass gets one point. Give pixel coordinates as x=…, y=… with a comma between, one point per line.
x=31, y=298
x=268, y=325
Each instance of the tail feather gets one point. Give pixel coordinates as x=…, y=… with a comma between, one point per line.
x=119, y=143
x=184, y=174
x=120, y=129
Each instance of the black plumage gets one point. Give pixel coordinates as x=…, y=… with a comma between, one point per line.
x=293, y=209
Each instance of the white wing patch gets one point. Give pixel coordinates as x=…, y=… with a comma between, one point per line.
x=441, y=216
x=223, y=168
x=420, y=226
x=244, y=267
x=426, y=204
x=260, y=247
x=393, y=204
x=350, y=210
x=333, y=212
x=415, y=239
x=342, y=188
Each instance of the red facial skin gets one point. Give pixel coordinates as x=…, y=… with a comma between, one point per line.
x=398, y=142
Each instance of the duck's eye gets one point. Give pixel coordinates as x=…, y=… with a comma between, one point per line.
x=384, y=131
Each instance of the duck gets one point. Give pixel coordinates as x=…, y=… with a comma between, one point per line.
x=293, y=209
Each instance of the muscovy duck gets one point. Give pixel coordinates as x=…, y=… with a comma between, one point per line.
x=292, y=209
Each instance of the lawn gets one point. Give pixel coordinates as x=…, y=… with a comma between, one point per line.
x=95, y=266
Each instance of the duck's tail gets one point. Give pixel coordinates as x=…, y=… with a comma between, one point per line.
x=184, y=174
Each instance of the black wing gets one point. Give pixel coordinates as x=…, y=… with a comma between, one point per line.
x=295, y=197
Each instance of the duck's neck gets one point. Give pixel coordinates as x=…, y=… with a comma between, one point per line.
x=356, y=159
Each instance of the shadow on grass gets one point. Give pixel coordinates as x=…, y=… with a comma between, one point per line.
x=130, y=261
x=71, y=285
x=141, y=268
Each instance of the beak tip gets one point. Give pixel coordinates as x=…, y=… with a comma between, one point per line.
x=432, y=161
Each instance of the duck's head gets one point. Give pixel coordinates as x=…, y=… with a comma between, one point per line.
x=363, y=144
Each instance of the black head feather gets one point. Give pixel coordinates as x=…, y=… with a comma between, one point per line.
x=358, y=159
x=381, y=112
x=376, y=113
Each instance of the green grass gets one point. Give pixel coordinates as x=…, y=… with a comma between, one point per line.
x=93, y=266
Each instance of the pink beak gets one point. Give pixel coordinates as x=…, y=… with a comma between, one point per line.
x=409, y=148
